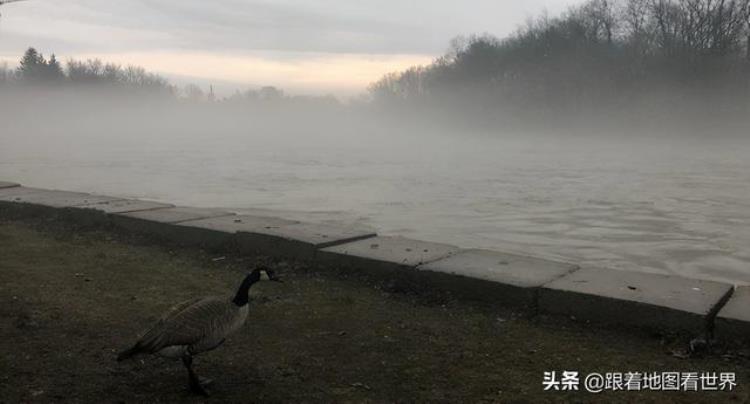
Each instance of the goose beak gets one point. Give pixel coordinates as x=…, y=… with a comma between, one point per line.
x=271, y=276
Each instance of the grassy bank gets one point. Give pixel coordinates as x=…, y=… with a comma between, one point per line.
x=70, y=299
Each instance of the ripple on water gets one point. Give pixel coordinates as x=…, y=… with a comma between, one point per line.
x=670, y=208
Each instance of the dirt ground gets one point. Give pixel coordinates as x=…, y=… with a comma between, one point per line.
x=70, y=299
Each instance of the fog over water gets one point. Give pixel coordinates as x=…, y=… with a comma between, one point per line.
x=647, y=203
x=612, y=134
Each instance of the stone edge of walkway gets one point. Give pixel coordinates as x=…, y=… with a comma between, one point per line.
x=655, y=301
x=6, y=184
x=417, y=263
x=733, y=320
x=510, y=279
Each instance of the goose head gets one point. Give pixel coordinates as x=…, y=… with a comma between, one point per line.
x=257, y=275
x=265, y=274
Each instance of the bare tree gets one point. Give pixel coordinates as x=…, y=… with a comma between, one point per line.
x=747, y=30
x=194, y=93
x=600, y=20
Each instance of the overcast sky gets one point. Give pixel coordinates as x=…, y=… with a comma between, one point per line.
x=304, y=46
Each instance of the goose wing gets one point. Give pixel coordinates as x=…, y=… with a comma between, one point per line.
x=187, y=323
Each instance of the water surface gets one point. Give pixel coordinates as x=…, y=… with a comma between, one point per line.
x=663, y=206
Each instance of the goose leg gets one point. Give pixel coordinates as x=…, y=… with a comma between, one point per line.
x=193, y=380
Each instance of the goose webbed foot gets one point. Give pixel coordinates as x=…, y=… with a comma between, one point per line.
x=194, y=382
x=197, y=387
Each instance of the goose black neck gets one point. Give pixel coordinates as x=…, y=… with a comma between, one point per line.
x=241, y=298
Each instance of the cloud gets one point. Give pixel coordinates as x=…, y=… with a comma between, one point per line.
x=365, y=34
x=363, y=26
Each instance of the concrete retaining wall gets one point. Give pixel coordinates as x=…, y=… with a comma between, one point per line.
x=633, y=298
x=733, y=319
x=516, y=280
x=535, y=285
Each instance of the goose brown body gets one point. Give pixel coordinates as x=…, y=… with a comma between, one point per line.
x=193, y=326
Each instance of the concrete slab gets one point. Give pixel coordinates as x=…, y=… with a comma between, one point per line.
x=124, y=205
x=733, y=320
x=395, y=250
x=221, y=233
x=635, y=299
x=387, y=258
x=50, y=198
x=161, y=224
x=23, y=202
x=9, y=208
x=497, y=277
x=299, y=240
x=176, y=214
x=7, y=194
x=320, y=235
x=5, y=184
x=238, y=223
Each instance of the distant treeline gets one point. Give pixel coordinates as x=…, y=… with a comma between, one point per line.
x=34, y=71
x=625, y=58
x=605, y=63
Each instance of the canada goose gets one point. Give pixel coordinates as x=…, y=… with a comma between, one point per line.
x=197, y=326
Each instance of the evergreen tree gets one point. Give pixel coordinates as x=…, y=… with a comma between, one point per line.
x=54, y=71
x=32, y=65
x=34, y=68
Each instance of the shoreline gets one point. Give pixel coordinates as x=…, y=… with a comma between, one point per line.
x=705, y=309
